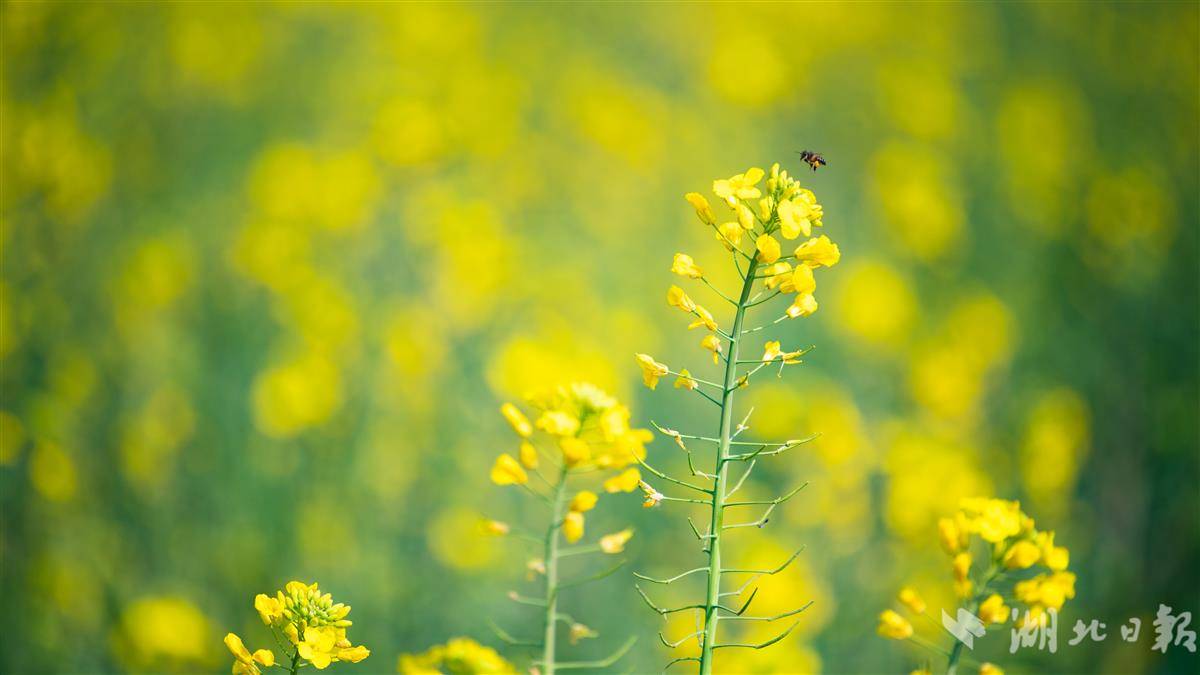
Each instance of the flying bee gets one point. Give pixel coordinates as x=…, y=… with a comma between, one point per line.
x=813, y=159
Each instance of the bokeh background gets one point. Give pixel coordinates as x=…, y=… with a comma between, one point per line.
x=268, y=271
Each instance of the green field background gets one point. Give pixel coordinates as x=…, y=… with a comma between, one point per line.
x=267, y=272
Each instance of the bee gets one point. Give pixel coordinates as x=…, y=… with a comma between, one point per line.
x=813, y=159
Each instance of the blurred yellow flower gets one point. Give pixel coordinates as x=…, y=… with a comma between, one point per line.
x=583, y=501
x=158, y=628
x=573, y=526
x=894, y=626
x=517, y=419
x=1055, y=557
x=909, y=597
x=990, y=669
x=1046, y=590
x=992, y=519
x=579, y=632
x=296, y=395
x=1022, y=555
x=962, y=566
x=460, y=656
x=494, y=527
x=528, y=455
x=558, y=423
x=625, y=481
x=993, y=610
x=507, y=471
x=615, y=542
x=575, y=450
x=876, y=305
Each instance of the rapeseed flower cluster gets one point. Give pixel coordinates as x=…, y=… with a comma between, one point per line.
x=996, y=556
x=313, y=624
x=762, y=212
x=578, y=434
x=460, y=656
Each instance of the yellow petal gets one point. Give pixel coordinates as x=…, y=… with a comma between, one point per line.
x=506, y=471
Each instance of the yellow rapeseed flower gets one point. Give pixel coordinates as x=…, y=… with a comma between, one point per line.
x=583, y=501
x=741, y=186
x=803, y=305
x=507, y=471
x=573, y=526
x=615, y=542
x=993, y=519
x=803, y=281
x=993, y=610
x=1022, y=555
x=319, y=646
x=269, y=609
x=952, y=537
x=676, y=297
x=768, y=248
x=703, y=318
x=818, y=251
x=745, y=217
x=625, y=481
x=685, y=381
x=244, y=662
x=460, y=655
x=494, y=527
x=698, y=202
x=517, y=419
x=990, y=669
x=528, y=455
x=1055, y=557
x=651, y=370
x=684, y=266
x=713, y=344
x=730, y=235
x=778, y=273
x=909, y=597
x=894, y=626
x=575, y=451
x=558, y=423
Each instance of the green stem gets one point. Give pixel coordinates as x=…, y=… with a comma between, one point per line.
x=718, y=494
x=295, y=662
x=973, y=607
x=551, y=555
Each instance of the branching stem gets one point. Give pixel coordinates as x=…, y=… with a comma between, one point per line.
x=720, y=471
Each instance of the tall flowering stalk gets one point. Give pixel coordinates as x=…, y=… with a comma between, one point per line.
x=585, y=441
x=306, y=624
x=997, y=555
x=790, y=211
